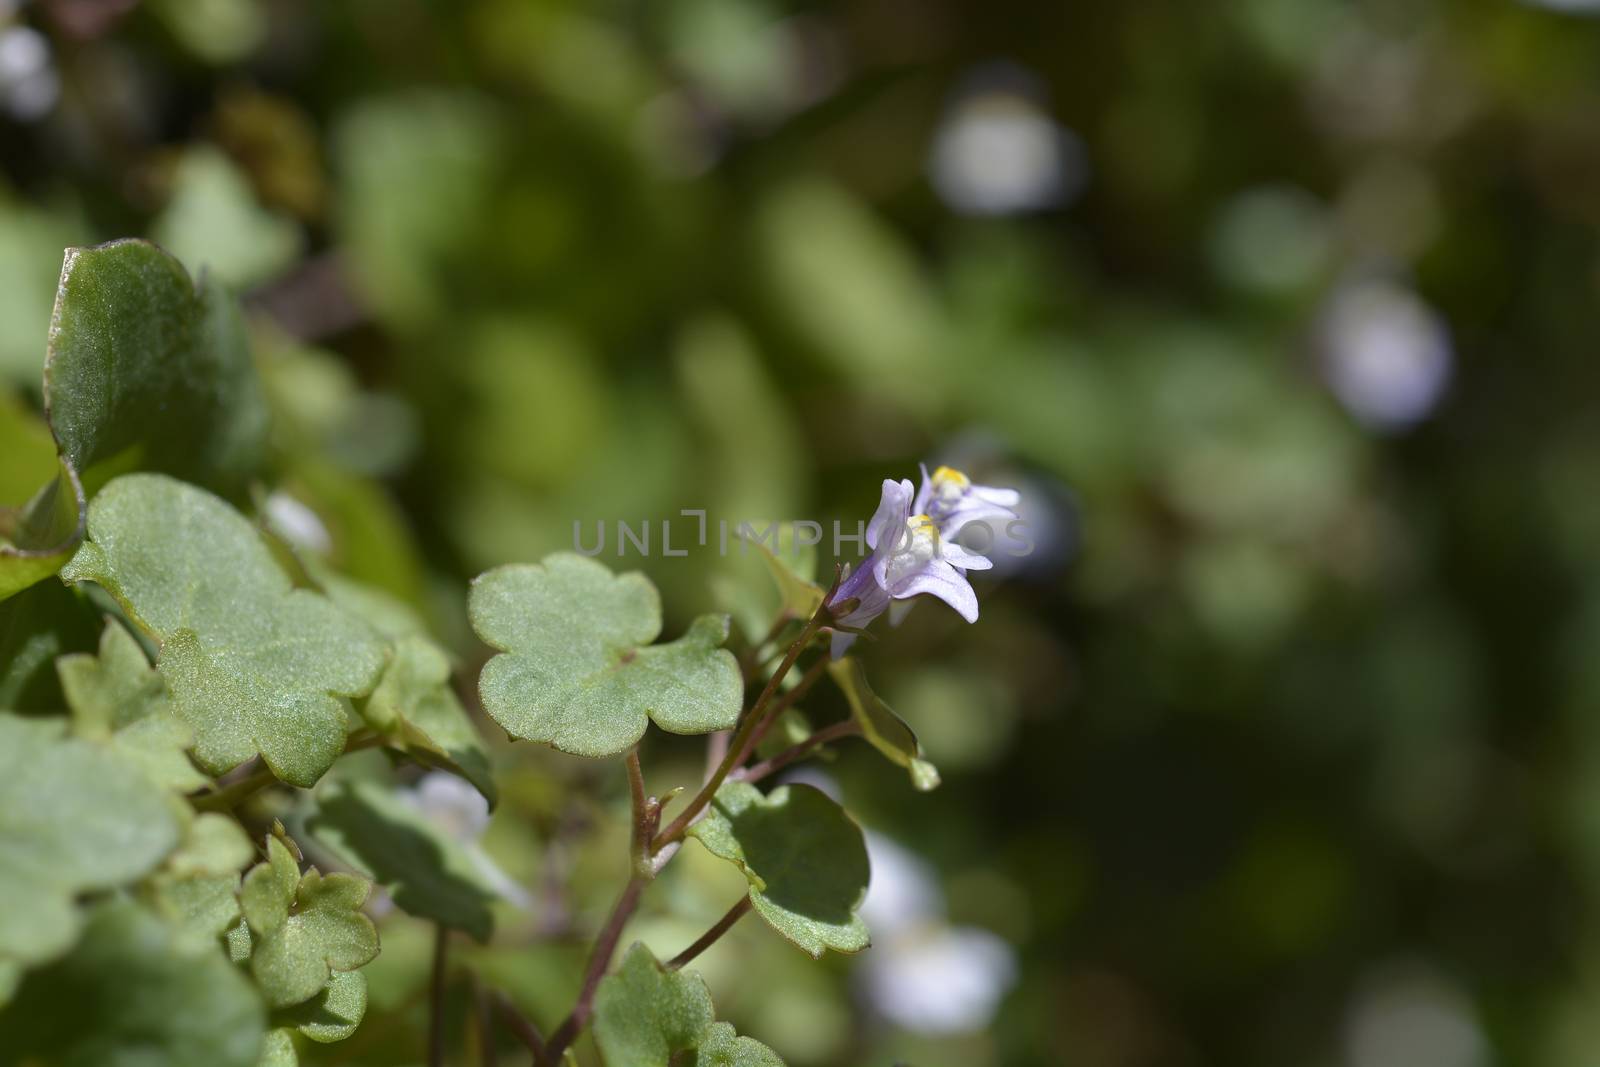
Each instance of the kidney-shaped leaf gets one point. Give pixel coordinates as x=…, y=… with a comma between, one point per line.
x=578, y=670
x=253, y=665
x=131, y=994
x=804, y=856
x=73, y=818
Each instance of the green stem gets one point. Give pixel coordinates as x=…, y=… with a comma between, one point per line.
x=744, y=735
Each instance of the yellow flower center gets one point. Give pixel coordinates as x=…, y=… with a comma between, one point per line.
x=950, y=485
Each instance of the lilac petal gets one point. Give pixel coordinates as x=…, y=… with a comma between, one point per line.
x=942, y=580
x=894, y=507
x=924, y=494
x=898, y=610
x=841, y=644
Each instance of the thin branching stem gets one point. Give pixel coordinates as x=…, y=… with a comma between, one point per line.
x=709, y=938
x=756, y=772
x=521, y=1026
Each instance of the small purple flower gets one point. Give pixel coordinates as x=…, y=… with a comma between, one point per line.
x=910, y=556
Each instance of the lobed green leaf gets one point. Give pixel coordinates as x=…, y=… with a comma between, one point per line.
x=577, y=670
x=252, y=664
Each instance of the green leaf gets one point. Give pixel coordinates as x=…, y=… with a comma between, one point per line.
x=303, y=927
x=646, y=1015
x=36, y=626
x=415, y=707
x=38, y=537
x=253, y=665
x=578, y=671
x=334, y=1014
x=882, y=728
x=213, y=843
x=805, y=858
x=119, y=698
x=133, y=995
x=213, y=221
x=426, y=872
x=278, y=1050
x=723, y=1047
x=799, y=595
x=141, y=358
x=73, y=818
x=200, y=908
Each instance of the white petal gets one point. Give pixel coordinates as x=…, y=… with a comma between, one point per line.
x=945, y=582
x=1005, y=498
x=957, y=556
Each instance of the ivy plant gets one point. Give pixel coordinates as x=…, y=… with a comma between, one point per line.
x=177, y=671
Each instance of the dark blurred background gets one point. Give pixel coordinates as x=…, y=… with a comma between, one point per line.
x=1282, y=746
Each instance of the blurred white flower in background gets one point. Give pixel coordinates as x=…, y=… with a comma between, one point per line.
x=460, y=811
x=921, y=973
x=1384, y=352
x=29, y=85
x=297, y=523
x=1408, y=1014
x=998, y=152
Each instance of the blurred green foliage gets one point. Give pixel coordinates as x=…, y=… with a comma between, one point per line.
x=1279, y=746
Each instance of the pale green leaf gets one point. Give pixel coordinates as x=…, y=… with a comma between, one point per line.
x=73, y=818
x=278, y=1050
x=131, y=994
x=415, y=707
x=213, y=843
x=303, y=928
x=334, y=1014
x=644, y=1014
x=882, y=728
x=723, y=1047
x=805, y=858
x=200, y=908
x=119, y=698
x=213, y=221
x=648, y=1016
x=578, y=671
x=426, y=872
x=252, y=664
